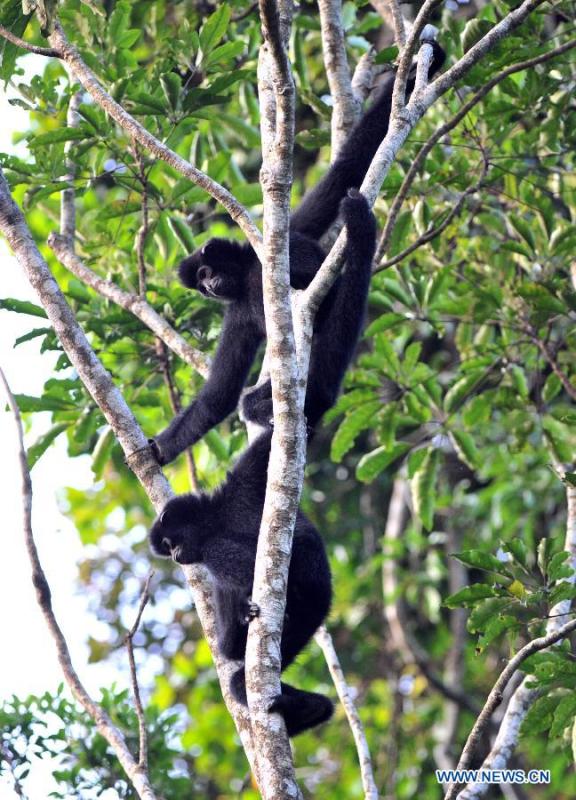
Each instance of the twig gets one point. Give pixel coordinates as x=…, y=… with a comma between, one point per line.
x=49, y=52
x=136, y=772
x=139, y=134
x=432, y=233
x=446, y=128
x=398, y=21
x=130, y=302
x=68, y=196
x=324, y=641
x=345, y=108
x=129, y=640
x=143, y=229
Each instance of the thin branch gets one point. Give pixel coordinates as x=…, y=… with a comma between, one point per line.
x=432, y=233
x=324, y=641
x=345, y=108
x=49, y=52
x=141, y=135
x=99, y=384
x=143, y=229
x=398, y=21
x=449, y=126
x=130, y=302
x=129, y=640
x=135, y=771
x=68, y=196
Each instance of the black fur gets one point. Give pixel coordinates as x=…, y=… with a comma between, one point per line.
x=221, y=531
x=230, y=272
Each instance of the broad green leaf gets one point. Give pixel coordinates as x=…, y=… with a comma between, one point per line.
x=214, y=28
x=423, y=486
x=22, y=307
x=354, y=422
x=372, y=464
x=43, y=443
x=465, y=447
x=470, y=595
x=481, y=560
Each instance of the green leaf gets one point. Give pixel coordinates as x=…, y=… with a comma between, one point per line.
x=423, y=486
x=216, y=444
x=470, y=595
x=465, y=447
x=495, y=627
x=119, y=21
x=171, y=87
x=183, y=233
x=102, y=451
x=12, y=18
x=383, y=323
x=460, y=390
x=519, y=381
x=22, y=307
x=225, y=52
x=214, y=28
x=43, y=442
x=356, y=421
x=28, y=403
x=474, y=30
x=481, y=560
x=33, y=334
x=386, y=55
x=60, y=135
x=372, y=464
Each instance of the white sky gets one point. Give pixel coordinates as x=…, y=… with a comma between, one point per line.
x=27, y=661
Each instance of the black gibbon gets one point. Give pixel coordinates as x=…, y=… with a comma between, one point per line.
x=230, y=272
x=220, y=530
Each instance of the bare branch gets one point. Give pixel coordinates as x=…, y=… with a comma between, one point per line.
x=114, y=408
x=49, y=52
x=135, y=771
x=139, y=134
x=129, y=639
x=345, y=108
x=68, y=196
x=398, y=21
x=324, y=641
x=130, y=302
x=417, y=163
